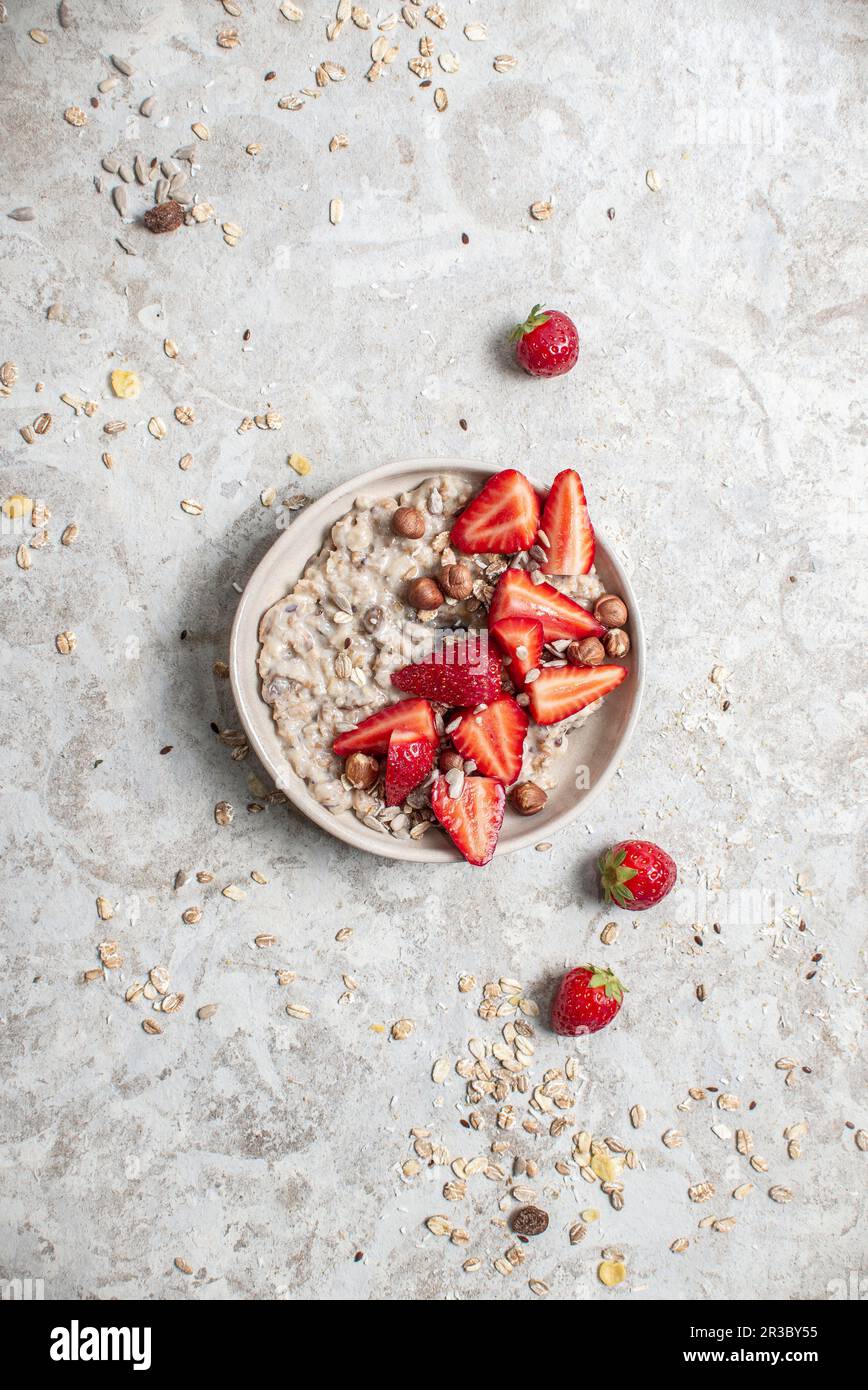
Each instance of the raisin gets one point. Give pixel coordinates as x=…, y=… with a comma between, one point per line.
x=165, y=217
x=530, y=1221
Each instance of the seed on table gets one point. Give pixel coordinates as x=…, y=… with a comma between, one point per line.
x=441, y=100
x=191, y=916
x=504, y=62
x=652, y=179
x=74, y=116
x=157, y=427
x=185, y=414
x=150, y=1026
x=297, y=1011
x=22, y=214
x=119, y=198
x=200, y=131
x=638, y=1115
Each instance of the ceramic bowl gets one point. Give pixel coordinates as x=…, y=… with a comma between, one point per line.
x=594, y=750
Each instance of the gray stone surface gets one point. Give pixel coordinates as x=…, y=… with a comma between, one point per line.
x=714, y=415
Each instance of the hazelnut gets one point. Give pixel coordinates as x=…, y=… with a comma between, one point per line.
x=424, y=594
x=457, y=581
x=449, y=758
x=527, y=798
x=617, y=642
x=610, y=610
x=361, y=771
x=408, y=522
x=588, y=652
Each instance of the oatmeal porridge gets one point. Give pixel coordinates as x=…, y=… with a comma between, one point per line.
x=330, y=647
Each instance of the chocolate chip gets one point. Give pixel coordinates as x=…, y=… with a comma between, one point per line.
x=529, y=1221
x=465, y=239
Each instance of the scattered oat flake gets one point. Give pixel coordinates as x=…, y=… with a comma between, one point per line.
x=504, y=62
x=336, y=211
x=652, y=178
x=200, y=131
x=66, y=642
x=441, y=100
x=541, y=212
x=191, y=507
x=234, y=892
x=297, y=1011
x=157, y=427
x=182, y=1265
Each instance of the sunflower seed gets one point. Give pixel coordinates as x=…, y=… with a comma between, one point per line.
x=119, y=198
x=147, y=107
x=122, y=65
x=22, y=214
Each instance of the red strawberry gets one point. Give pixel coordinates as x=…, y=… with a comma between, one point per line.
x=587, y=999
x=472, y=820
x=636, y=874
x=521, y=641
x=547, y=343
x=561, y=691
x=516, y=595
x=494, y=738
x=504, y=516
x=459, y=672
x=415, y=717
x=408, y=762
x=567, y=526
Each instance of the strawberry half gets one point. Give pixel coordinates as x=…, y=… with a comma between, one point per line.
x=567, y=525
x=472, y=820
x=494, y=738
x=504, y=516
x=563, y=690
x=408, y=762
x=521, y=641
x=415, y=717
x=516, y=596
x=456, y=673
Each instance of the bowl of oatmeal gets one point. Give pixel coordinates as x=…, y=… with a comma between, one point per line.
x=324, y=624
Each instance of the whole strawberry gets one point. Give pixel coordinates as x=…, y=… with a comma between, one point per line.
x=587, y=999
x=547, y=343
x=636, y=874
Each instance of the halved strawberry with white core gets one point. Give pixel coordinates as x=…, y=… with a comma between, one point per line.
x=460, y=671
x=494, y=738
x=521, y=641
x=569, y=542
x=504, y=517
x=472, y=820
x=415, y=717
x=561, y=691
x=516, y=596
x=408, y=762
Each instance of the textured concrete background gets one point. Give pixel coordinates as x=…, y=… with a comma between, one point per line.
x=715, y=418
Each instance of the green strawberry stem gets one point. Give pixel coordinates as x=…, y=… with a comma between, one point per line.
x=535, y=319
x=604, y=979
x=614, y=877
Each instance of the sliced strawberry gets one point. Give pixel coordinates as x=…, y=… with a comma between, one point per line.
x=458, y=672
x=521, y=641
x=408, y=762
x=504, y=516
x=415, y=717
x=567, y=526
x=494, y=738
x=516, y=596
x=561, y=691
x=472, y=820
